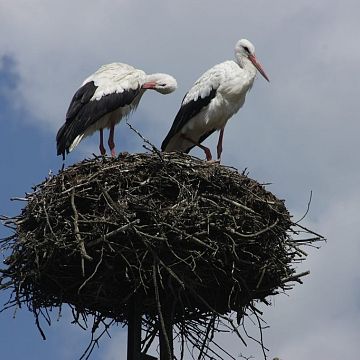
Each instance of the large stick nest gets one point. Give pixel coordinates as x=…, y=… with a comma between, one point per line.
x=171, y=228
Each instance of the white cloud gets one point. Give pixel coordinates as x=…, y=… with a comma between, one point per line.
x=58, y=44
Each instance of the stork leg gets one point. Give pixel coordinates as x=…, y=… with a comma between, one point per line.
x=111, y=142
x=101, y=146
x=206, y=149
x=219, y=147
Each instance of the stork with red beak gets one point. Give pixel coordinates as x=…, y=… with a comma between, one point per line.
x=214, y=98
x=104, y=98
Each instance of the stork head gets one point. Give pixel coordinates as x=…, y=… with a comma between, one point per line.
x=245, y=49
x=162, y=83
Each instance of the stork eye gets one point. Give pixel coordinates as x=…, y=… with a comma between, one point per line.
x=246, y=49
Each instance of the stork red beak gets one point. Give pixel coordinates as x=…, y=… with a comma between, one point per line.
x=252, y=58
x=149, y=85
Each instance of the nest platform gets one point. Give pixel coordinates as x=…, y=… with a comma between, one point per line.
x=167, y=228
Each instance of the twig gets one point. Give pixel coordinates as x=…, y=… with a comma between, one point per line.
x=232, y=202
x=307, y=209
x=94, y=272
x=77, y=233
x=253, y=235
x=112, y=233
x=208, y=329
x=295, y=277
x=153, y=147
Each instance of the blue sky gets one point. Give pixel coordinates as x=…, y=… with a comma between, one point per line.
x=300, y=133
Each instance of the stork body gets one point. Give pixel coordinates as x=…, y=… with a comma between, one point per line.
x=213, y=99
x=103, y=100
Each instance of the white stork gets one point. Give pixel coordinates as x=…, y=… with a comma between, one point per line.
x=216, y=96
x=104, y=98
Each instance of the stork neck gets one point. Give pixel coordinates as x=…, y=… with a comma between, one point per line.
x=152, y=77
x=248, y=66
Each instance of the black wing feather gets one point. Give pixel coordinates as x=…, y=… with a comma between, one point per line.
x=83, y=113
x=186, y=113
x=81, y=97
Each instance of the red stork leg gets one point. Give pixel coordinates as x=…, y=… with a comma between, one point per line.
x=219, y=147
x=111, y=142
x=101, y=146
x=206, y=149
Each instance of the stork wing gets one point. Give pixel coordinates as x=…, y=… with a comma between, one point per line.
x=103, y=92
x=84, y=111
x=195, y=100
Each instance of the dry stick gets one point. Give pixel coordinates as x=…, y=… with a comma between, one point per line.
x=189, y=236
x=296, y=277
x=194, y=343
x=5, y=286
x=154, y=148
x=305, y=241
x=208, y=329
x=113, y=233
x=156, y=257
x=75, y=187
x=11, y=224
x=307, y=209
x=256, y=233
x=77, y=234
x=182, y=334
x=310, y=231
x=232, y=202
x=255, y=310
x=298, y=250
x=229, y=320
x=261, y=277
x=93, y=274
x=150, y=341
x=38, y=325
x=161, y=318
x=94, y=341
x=48, y=221
x=46, y=316
x=109, y=199
x=154, y=237
x=222, y=349
x=261, y=336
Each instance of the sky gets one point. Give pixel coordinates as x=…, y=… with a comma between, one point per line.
x=300, y=132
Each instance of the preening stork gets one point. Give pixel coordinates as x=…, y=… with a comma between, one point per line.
x=106, y=97
x=216, y=96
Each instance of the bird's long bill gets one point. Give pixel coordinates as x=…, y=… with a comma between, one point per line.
x=149, y=85
x=252, y=58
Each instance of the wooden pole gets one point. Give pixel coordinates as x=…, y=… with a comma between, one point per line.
x=134, y=329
